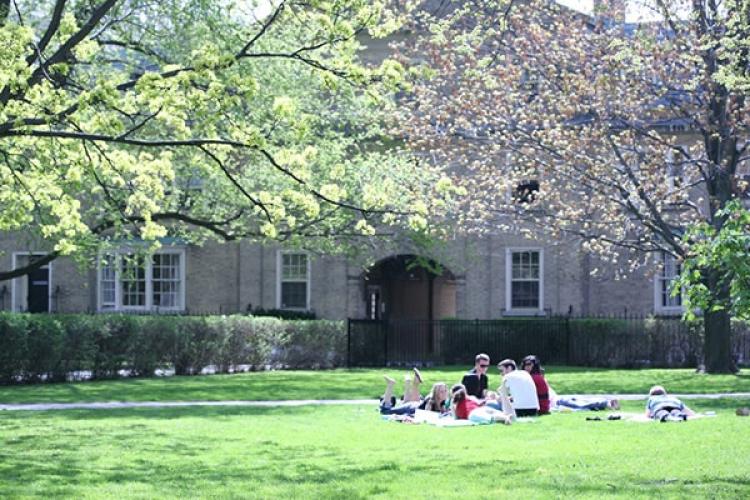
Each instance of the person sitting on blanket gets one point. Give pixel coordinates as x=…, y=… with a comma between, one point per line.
x=523, y=397
x=476, y=380
x=468, y=407
x=533, y=367
x=437, y=400
x=665, y=408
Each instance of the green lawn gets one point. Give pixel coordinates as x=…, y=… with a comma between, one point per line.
x=356, y=384
x=349, y=452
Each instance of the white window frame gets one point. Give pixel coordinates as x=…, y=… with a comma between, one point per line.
x=148, y=307
x=16, y=283
x=522, y=311
x=280, y=279
x=659, y=279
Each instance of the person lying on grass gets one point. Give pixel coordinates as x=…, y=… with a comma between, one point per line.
x=665, y=408
x=575, y=403
x=468, y=407
x=437, y=400
x=548, y=399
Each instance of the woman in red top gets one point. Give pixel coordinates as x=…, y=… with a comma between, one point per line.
x=532, y=365
x=466, y=407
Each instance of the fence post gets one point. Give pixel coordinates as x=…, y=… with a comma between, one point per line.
x=348, y=342
x=384, y=328
x=567, y=339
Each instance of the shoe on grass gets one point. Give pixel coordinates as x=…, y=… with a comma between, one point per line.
x=743, y=412
x=417, y=374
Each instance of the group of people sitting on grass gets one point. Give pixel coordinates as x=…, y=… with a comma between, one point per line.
x=522, y=393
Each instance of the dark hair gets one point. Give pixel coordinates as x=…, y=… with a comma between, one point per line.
x=507, y=363
x=458, y=391
x=536, y=366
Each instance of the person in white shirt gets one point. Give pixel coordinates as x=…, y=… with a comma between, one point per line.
x=521, y=387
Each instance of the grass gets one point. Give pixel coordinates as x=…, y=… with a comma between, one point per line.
x=349, y=452
x=356, y=384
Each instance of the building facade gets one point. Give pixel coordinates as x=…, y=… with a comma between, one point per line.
x=492, y=277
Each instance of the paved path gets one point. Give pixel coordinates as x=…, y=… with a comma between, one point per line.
x=299, y=402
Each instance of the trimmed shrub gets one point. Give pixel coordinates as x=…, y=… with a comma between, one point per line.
x=80, y=349
x=149, y=344
x=14, y=331
x=283, y=314
x=314, y=344
x=45, y=342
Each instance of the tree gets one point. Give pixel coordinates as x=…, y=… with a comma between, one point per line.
x=634, y=133
x=124, y=119
x=726, y=249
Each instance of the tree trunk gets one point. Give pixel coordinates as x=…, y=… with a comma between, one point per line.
x=718, y=330
x=4, y=11
x=718, y=343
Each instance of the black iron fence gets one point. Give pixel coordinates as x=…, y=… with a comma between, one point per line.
x=614, y=342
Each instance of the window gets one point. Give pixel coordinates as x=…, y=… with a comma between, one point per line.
x=526, y=191
x=165, y=276
x=293, y=289
x=675, y=179
x=669, y=271
x=135, y=282
x=524, y=280
x=107, y=283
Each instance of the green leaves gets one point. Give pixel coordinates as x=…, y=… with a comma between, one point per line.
x=199, y=119
x=726, y=251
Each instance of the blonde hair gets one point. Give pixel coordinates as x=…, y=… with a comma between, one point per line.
x=434, y=404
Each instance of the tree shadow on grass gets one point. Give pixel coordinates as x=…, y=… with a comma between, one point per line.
x=626, y=487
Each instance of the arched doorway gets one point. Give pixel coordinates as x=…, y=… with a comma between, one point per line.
x=405, y=287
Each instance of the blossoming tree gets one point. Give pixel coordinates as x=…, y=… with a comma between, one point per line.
x=618, y=135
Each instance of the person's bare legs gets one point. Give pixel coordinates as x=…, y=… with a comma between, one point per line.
x=411, y=389
x=388, y=394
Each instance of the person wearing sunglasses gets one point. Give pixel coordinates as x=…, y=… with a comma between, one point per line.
x=475, y=381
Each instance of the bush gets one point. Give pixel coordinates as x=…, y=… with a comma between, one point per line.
x=314, y=344
x=80, y=349
x=13, y=348
x=45, y=342
x=54, y=347
x=284, y=314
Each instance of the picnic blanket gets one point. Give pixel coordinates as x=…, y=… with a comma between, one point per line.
x=429, y=417
x=641, y=417
x=438, y=420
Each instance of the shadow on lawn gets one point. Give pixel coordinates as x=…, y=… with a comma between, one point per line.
x=181, y=463
x=625, y=486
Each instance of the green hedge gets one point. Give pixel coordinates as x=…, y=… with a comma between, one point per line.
x=36, y=347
